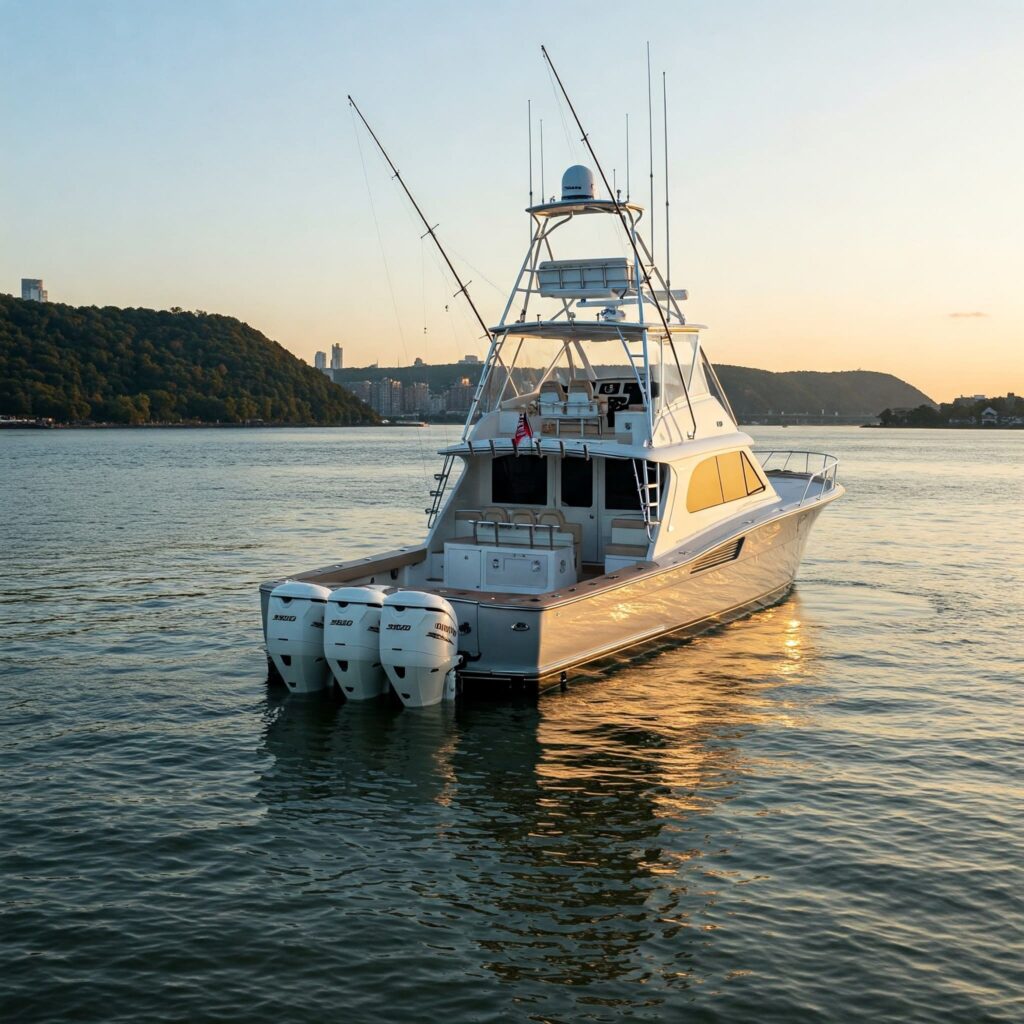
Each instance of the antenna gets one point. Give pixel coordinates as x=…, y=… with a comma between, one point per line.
x=668, y=226
x=627, y=158
x=529, y=135
x=463, y=288
x=619, y=209
x=650, y=139
x=542, y=192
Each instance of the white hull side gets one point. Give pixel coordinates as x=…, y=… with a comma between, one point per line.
x=657, y=604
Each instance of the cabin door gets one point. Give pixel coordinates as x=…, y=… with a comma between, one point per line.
x=577, y=497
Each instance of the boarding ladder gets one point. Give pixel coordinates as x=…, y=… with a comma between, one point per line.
x=649, y=490
x=636, y=353
x=437, y=493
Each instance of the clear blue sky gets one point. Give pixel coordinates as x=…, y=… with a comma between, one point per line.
x=845, y=177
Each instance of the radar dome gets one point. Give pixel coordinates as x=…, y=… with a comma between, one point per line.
x=578, y=183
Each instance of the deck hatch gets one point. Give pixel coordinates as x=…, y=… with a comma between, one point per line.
x=719, y=556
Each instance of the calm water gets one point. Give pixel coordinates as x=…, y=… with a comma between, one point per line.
x=814, y=814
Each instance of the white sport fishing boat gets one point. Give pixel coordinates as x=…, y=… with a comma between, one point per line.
x=601, y=497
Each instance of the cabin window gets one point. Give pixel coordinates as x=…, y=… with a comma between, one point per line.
x=519, y=480
x=721, y=479
x=620, y=478
x=577, y=483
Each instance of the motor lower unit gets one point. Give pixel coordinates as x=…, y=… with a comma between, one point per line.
x=419, y=647
x=352, y=641
x=295, y=635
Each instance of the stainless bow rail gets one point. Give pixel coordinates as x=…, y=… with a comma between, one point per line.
x=801, y=465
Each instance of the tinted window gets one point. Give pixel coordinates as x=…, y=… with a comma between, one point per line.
x=620, y=491
x=519, y=480
x=577, y=483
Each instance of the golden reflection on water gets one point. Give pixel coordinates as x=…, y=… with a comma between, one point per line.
x=583, y=817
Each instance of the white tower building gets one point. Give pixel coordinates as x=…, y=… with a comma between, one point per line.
x=32, y=289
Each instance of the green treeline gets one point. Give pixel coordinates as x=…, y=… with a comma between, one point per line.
x=109, y=365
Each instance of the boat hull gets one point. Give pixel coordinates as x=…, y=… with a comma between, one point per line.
x=536, y=646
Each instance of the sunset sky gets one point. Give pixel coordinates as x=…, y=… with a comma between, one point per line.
x=846, y=178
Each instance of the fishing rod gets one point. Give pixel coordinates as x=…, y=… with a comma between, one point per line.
x=463, y=288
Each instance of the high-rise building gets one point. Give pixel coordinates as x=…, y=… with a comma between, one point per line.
x=320, y=360
x=416, y=398
x=336, y=357
x=459, y=395
x=32, y=289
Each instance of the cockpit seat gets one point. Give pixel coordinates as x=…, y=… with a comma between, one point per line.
x=580, y=401
x=629, y=544
x=551, y=401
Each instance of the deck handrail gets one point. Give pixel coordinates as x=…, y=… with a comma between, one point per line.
x=826, y=474
x=533, y=529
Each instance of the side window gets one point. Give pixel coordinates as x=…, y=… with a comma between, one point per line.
x=705, y=489
x=721, y=479
x=754, y=483
x=577, y=483
x=519, y=480
x=620, y=491
x=730, y=469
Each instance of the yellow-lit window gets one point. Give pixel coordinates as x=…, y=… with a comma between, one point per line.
x=730, y=468
x=754, y=483
x=720, y=479
x=705, y=489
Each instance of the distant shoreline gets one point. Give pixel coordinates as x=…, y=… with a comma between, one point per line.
x=942, y=426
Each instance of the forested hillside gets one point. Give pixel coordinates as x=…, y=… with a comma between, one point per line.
x=753, y=393
x=114, y=365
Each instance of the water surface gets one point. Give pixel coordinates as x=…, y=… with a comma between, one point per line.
x=813, y=814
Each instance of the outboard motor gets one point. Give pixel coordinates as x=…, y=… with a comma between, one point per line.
x=352, y=641
x=419, y=647
x=295, y=635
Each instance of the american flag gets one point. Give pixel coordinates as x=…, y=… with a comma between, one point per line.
x=523, y=430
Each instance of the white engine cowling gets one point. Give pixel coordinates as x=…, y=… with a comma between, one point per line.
x=352, y=641
x=295, y=635
x=419, y=645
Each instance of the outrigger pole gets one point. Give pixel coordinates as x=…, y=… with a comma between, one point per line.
x=463, y=288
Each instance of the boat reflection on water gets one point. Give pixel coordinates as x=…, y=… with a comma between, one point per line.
x=574, y=837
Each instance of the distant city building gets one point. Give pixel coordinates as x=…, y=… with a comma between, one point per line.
x=320, y=360
x=416, y=398
x=387, y=397
x=362, y=389
x=418, y=362
x=458, y=396
x=336, y=357
x=469, y=358
x=33, y=290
